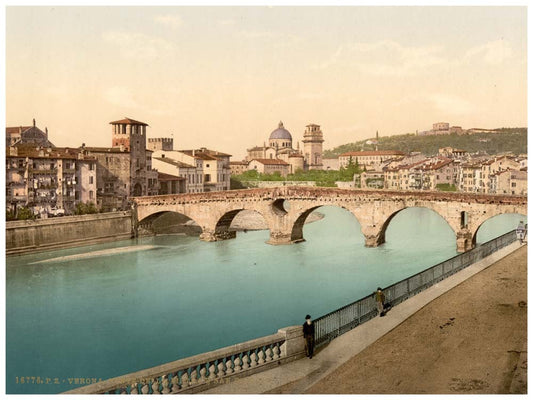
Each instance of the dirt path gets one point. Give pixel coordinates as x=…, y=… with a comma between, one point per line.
x=472, y=339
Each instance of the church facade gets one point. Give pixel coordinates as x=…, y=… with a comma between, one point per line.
x=280, y=147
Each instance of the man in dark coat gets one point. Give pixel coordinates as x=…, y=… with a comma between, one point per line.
x=309, y=336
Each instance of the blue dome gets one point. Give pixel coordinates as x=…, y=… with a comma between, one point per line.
x=281, y=133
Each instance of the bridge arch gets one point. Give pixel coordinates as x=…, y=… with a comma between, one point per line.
x=299, y=223
x=383, y=229
x=517, y=215
x=149, y=222
x=223, y=224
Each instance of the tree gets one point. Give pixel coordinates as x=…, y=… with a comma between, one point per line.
x=24, y=213
x=85, y=208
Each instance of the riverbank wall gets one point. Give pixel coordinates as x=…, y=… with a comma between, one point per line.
x=62, y=232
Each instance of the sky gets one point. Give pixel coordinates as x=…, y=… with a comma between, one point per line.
x=223, y=77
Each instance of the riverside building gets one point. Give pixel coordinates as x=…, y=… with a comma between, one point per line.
x=125, y=169
x=46, y=178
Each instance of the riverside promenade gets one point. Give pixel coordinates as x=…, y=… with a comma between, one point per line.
x=464, y=335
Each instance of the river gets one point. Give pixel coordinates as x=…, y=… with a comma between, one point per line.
x=100, y=311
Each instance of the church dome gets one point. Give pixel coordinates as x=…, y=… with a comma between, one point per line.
x=281, y=133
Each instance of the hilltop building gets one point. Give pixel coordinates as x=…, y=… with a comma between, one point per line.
x=443, y=128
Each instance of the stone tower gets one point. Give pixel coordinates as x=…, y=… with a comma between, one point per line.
x=165, y=144
x=313, y=139
x=130, y=135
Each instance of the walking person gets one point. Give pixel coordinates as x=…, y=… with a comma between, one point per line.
x=380, y=301
x=309, y=336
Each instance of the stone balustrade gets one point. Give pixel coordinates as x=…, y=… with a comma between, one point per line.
x=200, y=372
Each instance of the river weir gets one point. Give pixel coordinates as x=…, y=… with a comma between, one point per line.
x=96, y=317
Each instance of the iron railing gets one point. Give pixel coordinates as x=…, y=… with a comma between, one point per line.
x=335, y=323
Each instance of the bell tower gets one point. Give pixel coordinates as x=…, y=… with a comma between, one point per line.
x=313, y=139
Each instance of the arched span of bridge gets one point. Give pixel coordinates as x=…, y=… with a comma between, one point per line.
x=478, y=225
x=381, y=235
x=374, y=209
x=299, y=223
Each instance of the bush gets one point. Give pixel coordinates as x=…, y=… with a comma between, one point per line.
x=85, y=208
x=446, y=187
x=24, y=213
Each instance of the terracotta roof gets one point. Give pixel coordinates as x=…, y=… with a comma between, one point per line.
x=203, y=151
x=167, y=177
x=373, y=153
x=270, y=161
x=32, y=151
x=437, y=165
x=257, y=148
x=175, y=163
x=15, y=129
x=129, y=121
x=105, y=150
x=296, y=155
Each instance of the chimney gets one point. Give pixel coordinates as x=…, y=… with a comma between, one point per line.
x=46, y=132
x=34, y=122
x=20, y=130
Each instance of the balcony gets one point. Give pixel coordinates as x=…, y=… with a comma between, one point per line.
x=37, y=171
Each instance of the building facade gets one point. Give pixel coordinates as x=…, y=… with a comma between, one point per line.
x=368, y=159
x=270, y=166
x=48, y=178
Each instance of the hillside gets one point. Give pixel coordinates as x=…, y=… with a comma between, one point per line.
x=503, y=140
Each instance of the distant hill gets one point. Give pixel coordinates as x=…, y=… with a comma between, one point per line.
x=501, y=140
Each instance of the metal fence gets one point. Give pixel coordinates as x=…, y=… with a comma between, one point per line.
x=340, y=321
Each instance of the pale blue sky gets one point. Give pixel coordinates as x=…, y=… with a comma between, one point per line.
x=223, y=77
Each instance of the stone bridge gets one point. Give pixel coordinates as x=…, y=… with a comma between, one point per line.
x=286, y=208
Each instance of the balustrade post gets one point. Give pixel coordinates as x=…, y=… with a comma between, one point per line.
x=165, y=384
x=175, y=383
x=238, y=363
x=212, y=368
x=254, y=359
x=294, y=341
x=229, y=369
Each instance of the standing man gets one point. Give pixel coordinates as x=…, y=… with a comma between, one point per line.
x=380, y=300
x=309, y=336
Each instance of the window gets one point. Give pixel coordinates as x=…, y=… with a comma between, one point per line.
x=207, y=177
x=109, y=187
x=91, y=179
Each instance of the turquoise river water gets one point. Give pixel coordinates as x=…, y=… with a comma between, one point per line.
x=100, y=311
